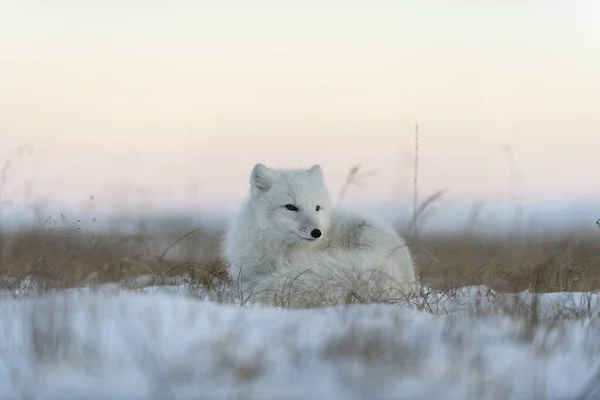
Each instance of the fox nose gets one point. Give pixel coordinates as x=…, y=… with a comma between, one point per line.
x=315, y=233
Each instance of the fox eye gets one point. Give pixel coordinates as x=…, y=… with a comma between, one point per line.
x=291, y=207
x=317, y=208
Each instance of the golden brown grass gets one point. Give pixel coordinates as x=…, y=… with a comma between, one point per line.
x=555, y=264
x=63, y=259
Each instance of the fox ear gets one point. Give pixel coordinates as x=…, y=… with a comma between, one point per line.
x=316, y=171
x=261, y=179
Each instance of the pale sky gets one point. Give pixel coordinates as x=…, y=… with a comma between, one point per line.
x=177, y=102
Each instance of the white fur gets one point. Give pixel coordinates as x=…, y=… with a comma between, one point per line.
x=273, y=261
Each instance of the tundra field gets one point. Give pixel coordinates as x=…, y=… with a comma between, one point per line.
x=150, y=314
x=70, y=257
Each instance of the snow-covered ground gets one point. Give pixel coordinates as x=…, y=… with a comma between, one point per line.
x=172, y=341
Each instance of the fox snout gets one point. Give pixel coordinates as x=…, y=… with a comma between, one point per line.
x=310, y=233
x=310, y=228
x=315, y=233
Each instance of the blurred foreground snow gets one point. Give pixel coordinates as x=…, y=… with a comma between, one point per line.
x=143, y=344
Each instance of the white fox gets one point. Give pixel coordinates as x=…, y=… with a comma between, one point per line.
x=288, y=246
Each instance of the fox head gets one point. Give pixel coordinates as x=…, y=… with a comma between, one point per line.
x=293, y=204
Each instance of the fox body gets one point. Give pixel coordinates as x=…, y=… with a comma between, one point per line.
x=289, y=246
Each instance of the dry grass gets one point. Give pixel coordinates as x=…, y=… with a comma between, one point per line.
x=509, y=264
x=62, y=259
x=74, y=258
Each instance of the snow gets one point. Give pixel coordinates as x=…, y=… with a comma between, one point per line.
x=165, y=341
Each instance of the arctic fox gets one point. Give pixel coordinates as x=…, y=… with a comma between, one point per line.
x=288, y=246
